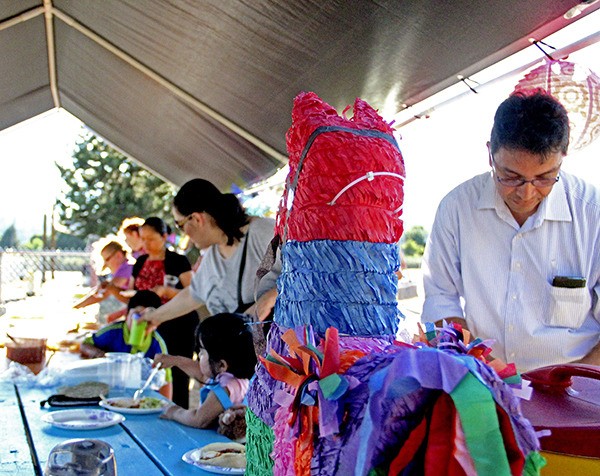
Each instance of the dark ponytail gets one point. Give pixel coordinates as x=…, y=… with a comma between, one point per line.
x=199, y=195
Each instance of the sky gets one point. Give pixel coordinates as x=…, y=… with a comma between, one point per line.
x=29, y=180
x=439, y=153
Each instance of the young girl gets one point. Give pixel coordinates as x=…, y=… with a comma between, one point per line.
x=227, y=361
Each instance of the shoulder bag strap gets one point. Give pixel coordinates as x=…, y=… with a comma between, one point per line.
x=241, y=273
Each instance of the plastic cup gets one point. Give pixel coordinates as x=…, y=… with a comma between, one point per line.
x=124, y=371
x=137, y=331
x=170, y=280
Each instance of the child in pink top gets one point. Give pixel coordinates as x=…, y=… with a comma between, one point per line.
x=226, y=364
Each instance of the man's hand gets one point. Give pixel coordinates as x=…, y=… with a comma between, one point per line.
x=170, y=412
x=458, y=320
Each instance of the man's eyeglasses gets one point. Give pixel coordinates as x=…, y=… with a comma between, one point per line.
x=181, y=223
x=519, y=181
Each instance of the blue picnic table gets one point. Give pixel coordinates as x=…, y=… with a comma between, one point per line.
x=143, y=444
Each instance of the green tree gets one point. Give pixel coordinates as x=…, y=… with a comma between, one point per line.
x=413, y=241
x=418, y=234
x=9, y=237
x=103, y=187
x=34, y=243
x=412, y=248
x=63, y=242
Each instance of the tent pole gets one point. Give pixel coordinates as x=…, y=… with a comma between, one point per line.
x=559, y=53
x=28, y=15
x=51, y=52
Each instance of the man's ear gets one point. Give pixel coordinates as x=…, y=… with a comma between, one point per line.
x=489, y=145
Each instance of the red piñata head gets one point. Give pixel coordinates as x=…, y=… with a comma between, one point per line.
x=346, y=176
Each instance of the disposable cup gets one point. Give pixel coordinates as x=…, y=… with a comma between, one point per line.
x=124, y=370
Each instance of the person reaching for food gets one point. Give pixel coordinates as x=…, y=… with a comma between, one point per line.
x=114, y=258
x=226, y=365
x=167, y=273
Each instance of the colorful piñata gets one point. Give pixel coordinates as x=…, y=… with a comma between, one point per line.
x=336, y=394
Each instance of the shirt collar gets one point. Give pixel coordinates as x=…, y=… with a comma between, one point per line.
x=487, y=195
x=554, y=207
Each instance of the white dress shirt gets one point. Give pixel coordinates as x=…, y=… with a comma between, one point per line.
x=481, y=265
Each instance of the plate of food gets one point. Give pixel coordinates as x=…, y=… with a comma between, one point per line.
x=218, y=458
x=128, y=293
x=83, y=419
x=143, y=406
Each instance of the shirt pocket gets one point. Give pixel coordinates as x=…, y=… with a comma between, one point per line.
x=568, y=307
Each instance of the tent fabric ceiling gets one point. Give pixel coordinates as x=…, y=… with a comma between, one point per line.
x=205, y=88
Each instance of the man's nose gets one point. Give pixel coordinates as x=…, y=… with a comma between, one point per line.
x=527, y=190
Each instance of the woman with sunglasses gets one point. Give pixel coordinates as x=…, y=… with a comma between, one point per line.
x=233, y=245
x=167, y=273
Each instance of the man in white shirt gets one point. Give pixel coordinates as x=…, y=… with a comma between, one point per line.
x=514, y=255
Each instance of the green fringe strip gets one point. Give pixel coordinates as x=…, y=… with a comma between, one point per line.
x=259, y=445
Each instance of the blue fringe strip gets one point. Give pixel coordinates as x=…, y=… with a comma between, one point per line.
x=350, y=285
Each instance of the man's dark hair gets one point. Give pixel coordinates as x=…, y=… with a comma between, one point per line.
x=227, y=337
x=534, y=122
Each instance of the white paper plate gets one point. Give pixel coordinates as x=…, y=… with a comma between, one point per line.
x=191, y=457
x=83, y=419
x=133, y=411
x=128, y=293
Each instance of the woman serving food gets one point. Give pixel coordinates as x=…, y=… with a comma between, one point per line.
x=233, y=245
x=167, y=274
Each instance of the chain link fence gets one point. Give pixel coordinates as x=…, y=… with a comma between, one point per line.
x=22, y=272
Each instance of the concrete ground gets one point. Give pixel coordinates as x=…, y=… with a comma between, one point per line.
x=49, y=313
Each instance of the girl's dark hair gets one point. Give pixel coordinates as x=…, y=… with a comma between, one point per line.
x=158, y=225
x=199, y=195
x=227, y=337
x=144, y=298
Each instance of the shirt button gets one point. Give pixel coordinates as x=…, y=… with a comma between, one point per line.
x=511, y=355
x=518, y=265
x=514, y=297
x=511, y=328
